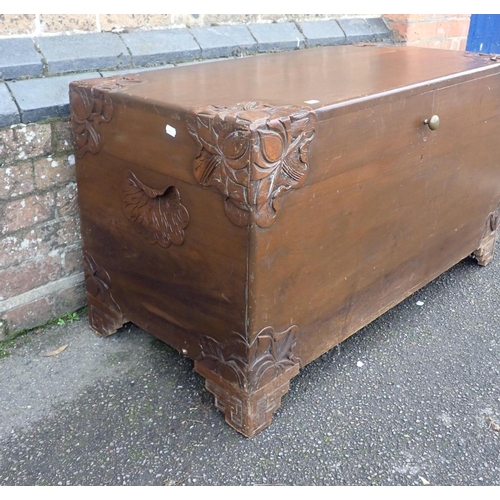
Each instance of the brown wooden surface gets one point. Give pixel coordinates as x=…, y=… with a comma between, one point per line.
x=330, y=75
x=253, y=274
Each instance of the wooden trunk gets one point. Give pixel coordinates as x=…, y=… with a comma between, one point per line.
x=253, y=213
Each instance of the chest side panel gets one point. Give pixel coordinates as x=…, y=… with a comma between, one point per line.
x=394, y=204
x=161, y=251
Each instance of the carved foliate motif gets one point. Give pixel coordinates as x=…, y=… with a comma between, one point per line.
x=90, y=105
x=249, y=413
x=486, y=249
x=158, y=215
x=269, y=355
x=253, y=153
x=105, y=315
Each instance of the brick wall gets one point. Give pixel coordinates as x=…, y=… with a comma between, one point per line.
x=40, y=252
x=439, y=31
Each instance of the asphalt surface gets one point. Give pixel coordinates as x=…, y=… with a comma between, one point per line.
x=412, y=399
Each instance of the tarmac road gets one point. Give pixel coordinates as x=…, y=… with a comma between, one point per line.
x=412, y=399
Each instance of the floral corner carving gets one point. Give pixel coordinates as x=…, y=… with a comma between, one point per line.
x=90, y=105
x=486, y=248
x=158, y=215
x=253, y=153
x=268, y=356
x=105, y=315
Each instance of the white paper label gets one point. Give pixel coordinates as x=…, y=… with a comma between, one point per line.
x=171, y=130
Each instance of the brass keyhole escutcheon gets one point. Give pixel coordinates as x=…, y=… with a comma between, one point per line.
x=432, y=122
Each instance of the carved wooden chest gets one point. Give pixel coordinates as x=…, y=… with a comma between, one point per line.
x=253, y=213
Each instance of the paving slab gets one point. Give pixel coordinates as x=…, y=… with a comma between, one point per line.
x=87, y=52
x=161, y=46
x=322, y=33
x=43, y=98
x=224, y=41
x=277, y=36
x=9, y=114
x=357, y=30
x=19, y=58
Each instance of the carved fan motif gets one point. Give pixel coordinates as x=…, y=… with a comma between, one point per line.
x=158, y=215
x=266, y=357
x=252, y=153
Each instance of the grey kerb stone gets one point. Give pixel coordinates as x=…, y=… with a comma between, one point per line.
x=224, y=41
x=44, y=98
x=322, y=33
x=19, y=58
x=8, y=109
x=277, y=36
x=83, y=52
x=162, y=46
x=357, y=30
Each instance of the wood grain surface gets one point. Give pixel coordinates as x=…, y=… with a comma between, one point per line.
x=255, y=212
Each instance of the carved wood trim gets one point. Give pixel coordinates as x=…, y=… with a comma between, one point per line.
x=486, y=248
x=105, y=315
x=248, y=413
x=158, y=215
x=249, y=366
x=248, y=379
x=90, y=105
x=253, y=153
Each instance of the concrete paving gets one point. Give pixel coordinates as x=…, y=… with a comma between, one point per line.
x=412, y=399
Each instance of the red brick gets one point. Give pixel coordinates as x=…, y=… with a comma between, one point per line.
x=30, y=315
x=437, y=43
x=54, y=170
x=61, y=136
x=26, y=212
x=455, y=43
x=32, y=140
x=463, y=44
x=111, y=21
x=16, y=180
x=7, y=145
x=408, y=18
x=41, y=310
x=17, y=24
x=400, y=28
x=69, y=230
x=66, y=200
x=18, y=248
x=68, y=300
x=73, y=261
x=39, y=241
x=59, y=23
x=29, y=275
x=209, y=19
x=458, y=28
x=396, y=17
x=424, y=30
x=24, y=141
